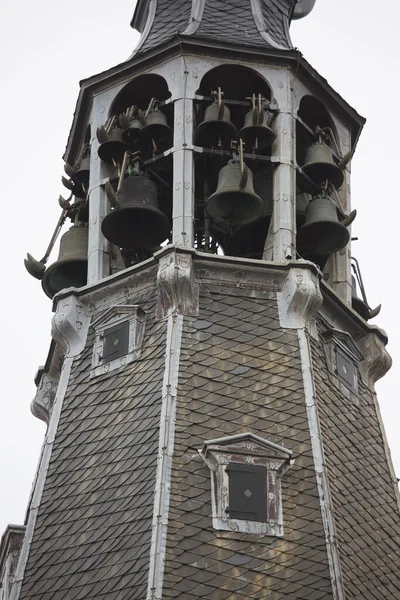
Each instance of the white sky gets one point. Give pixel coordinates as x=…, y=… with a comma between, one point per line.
x=46, y=47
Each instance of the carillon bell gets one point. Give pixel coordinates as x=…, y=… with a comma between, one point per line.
x=81, y=175
x=137, y=222
x=157, y=129
x=113, y=149
x=320, y=166
x=322, y=232
x=70, y=269
x=256, y=133
x=216, y=129
x=234, y=200
x=248, y=241
x=131, y=134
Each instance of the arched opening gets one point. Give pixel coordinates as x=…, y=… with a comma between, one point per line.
x=133, y=145
x=139, y=92
x=233, y=115
x=314, y=115
x=317, y=154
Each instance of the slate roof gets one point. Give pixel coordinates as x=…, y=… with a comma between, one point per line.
x=93, y=530
x=240, y=371
x=363, y=495
x=229, y=21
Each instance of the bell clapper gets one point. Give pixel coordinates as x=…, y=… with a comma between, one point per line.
x=109, y=125
x=111, y=195
x=152, y=105
x=123, y=170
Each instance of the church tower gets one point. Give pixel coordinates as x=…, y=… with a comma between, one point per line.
x=213, y=428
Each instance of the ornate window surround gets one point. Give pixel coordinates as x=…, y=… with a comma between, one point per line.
x=249, y=449
x=339, y=343
x=136, y=317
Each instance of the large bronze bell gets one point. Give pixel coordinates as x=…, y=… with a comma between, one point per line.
x=81, y=175
x=320, y=166
x=114, y=148
x=322, y=232
x=70, y=269
x=157, y=129
x=216, y=129
x=137, y=222
x=234, y=200
x=248, y=241
x=256, y=133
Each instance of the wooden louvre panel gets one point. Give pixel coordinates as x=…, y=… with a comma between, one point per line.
x=247, y=492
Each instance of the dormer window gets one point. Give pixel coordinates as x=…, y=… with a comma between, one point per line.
x=343, y=357
x=119, y=338
x=246, y=473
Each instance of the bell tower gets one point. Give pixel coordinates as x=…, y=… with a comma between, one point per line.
x=213, y=428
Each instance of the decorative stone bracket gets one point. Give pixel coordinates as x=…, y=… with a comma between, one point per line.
x=70, y=325
x=300, y=298
x=69, y=330
x=177, y=289
x=377, y=361
x=44, y=399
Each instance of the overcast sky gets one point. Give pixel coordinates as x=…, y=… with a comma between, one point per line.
x=46, y=47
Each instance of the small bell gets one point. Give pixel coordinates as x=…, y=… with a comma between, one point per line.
x=131, y=134
x=216, y=130
x=157, y=129
x=81, y=175
x=256, y=133
x=320, y=167
x=248, y=241
x=113, y=149
x=322, y=232
x=70, y=269
x=137, y=222
x=235, y=200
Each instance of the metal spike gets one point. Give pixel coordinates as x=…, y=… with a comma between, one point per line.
x=374, y=312
x=350, y=218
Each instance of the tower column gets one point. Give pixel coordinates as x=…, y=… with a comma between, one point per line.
x=183, y=192
x=284, y=181
x=99, y=246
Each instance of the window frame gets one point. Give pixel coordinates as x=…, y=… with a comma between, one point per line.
x=246, y=449
x=136, y=318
